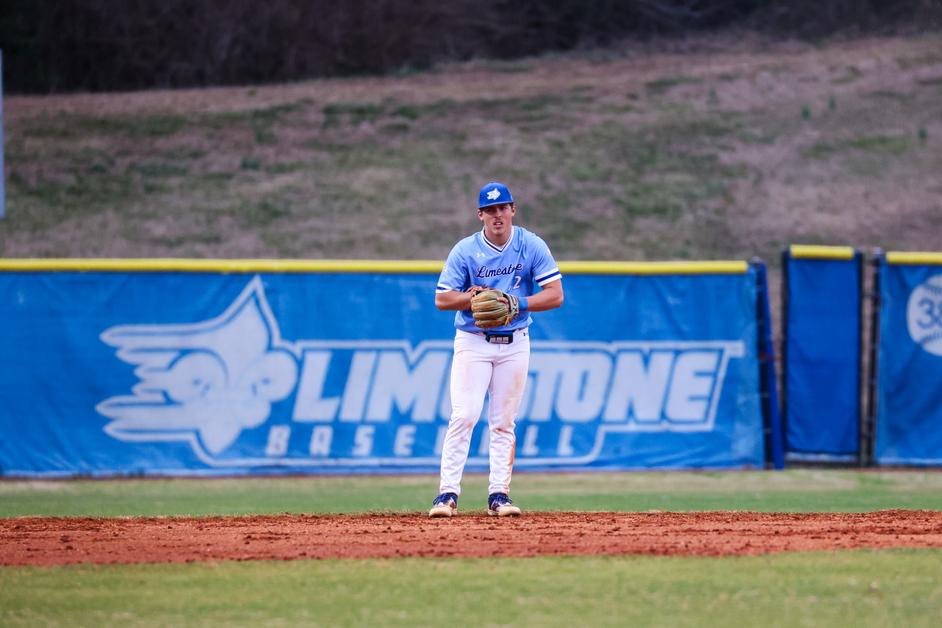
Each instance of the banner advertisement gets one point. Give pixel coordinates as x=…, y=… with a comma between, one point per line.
x=821, y=381
x=215, y=373
x=909, y=360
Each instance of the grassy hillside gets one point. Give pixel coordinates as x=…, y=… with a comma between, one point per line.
x=728, y=148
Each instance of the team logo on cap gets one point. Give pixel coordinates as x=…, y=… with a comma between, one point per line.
x=493, y=195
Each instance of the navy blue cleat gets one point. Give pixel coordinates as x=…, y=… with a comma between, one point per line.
x=445, y=505
x=499, y=505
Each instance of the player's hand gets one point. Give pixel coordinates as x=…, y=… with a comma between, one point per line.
x=493, y=308
x=471, y=292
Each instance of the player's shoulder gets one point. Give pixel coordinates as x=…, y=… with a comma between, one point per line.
x=463, y=250
x=528, y=237
x=464, y=243
x=468, y=244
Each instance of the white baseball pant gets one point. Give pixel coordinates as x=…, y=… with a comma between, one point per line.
x=481, y=367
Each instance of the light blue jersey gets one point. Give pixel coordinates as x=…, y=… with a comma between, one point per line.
x=516, y=268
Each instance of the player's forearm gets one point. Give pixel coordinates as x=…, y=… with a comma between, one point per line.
x=547, y=299
x=453, y=300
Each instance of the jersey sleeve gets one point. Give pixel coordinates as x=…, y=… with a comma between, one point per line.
x=545, y=269
x=454, y=274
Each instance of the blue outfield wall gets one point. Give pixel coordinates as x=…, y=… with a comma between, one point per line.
x=345, y=369
x=821, y=353
x=909, y=360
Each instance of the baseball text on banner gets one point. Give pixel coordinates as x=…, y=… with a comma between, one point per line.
x=121, y=372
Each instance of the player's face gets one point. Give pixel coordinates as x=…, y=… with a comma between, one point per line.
x=497, y=219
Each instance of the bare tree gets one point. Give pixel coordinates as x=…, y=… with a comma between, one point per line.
x=53, y=45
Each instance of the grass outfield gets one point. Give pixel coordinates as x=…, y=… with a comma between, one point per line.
x=789, y=491
x=863, y=588
x=860, y=588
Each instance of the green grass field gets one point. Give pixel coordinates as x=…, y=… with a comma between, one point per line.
x=865, y=588
x=861, y=588
x=790, y=491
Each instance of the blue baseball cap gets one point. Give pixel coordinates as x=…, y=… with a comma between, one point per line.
x=494, y=193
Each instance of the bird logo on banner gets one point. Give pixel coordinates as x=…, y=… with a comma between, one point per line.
x=209, y=380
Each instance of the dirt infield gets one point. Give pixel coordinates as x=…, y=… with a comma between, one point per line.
x=55, y=540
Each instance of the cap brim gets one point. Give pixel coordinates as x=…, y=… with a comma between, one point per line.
x=510, y=202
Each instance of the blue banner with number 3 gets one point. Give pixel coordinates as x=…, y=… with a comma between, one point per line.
x=909, y=363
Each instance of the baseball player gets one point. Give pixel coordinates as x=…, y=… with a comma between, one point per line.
x=490, y=278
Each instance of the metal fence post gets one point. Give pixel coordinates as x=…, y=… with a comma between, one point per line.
x=2, y=188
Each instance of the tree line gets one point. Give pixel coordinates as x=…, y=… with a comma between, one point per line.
x=67, y=45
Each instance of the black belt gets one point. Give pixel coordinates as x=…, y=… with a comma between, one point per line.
x=499, y=337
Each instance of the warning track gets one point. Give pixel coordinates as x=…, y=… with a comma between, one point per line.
x=66, y=540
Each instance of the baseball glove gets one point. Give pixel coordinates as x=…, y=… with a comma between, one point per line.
x=493, y=308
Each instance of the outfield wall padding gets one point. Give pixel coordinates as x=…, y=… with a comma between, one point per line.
x=822, y=353
x=908, y=417
x=182, y=367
